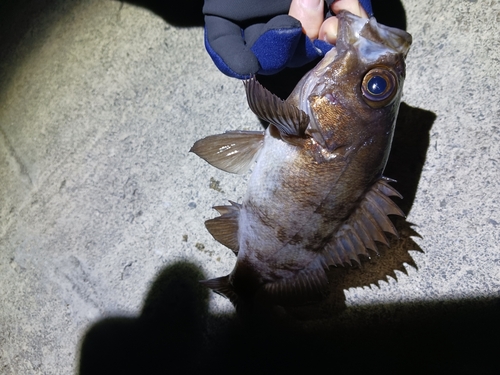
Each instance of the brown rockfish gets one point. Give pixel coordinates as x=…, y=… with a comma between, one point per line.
x=316, y=197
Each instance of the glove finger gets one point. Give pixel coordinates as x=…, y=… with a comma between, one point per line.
x=226, y=47
x=281, y=22
x=245, y=11
x=308, y=51
x=274, y=43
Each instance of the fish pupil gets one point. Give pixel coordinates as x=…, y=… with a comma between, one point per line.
x=377, y=85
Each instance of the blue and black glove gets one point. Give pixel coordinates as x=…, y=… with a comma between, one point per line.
x=249, y=37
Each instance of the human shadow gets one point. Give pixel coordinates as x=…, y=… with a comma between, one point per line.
x=175, y=333
x=167, y=337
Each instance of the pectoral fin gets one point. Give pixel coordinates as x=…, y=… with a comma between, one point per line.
x=288, y=119
x=232, y=151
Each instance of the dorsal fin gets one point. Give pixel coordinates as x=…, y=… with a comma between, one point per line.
x=288, y=119
x=366, y=225
x=232, y=151
x=225, y=227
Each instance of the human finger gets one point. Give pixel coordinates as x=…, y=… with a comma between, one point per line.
x=310, y=15
x=329, y=29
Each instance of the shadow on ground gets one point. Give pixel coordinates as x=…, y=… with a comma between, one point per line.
x=178, y=13
x=175, y=334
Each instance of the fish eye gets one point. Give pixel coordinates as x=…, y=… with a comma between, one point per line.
x=379, y=87
x=376, y=85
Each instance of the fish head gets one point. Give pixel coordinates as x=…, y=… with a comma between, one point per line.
x=354, y=93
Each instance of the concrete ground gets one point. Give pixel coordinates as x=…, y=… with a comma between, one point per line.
x=100, y=201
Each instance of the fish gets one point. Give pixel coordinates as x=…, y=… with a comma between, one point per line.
x=317, y=197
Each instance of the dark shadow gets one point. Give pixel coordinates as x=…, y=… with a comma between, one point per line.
x=390, y=13
x=19, y=17
x=408, y=152
x=282, y=83
x=167, y=337
x=175, y=334
x=178, y=13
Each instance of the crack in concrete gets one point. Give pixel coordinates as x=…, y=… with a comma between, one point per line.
x=15, y=158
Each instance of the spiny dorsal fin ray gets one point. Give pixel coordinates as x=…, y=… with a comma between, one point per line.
x=365, y=236
x=288, y=119
x=387, y=189
x=373, y=229
x=358, y=242
x=379, y=215
x=225, y=227
x=384, y=203
x=232, y=151
x=345, y=251
x=364, y=227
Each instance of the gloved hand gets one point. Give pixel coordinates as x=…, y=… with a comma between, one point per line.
x=258, y=36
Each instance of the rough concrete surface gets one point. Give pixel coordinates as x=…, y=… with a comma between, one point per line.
x=100, y=102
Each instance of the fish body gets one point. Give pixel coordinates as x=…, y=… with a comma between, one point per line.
x=316, y=197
